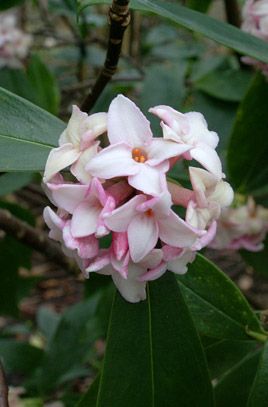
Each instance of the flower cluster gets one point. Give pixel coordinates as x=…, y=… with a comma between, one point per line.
x=14, y=43
x=255, y=22
x=242, y=227
x=120, y=195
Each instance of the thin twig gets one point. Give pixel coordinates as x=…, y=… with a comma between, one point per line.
x=3, y=388
x=232, y=12
x=32, y=237
x=119, y=18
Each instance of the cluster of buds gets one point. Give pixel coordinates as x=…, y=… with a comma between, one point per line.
x=117, y=210
x=242, y=227
x=14, y=43
x=255, y=22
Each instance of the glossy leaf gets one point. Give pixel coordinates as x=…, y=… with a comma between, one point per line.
x=153, y=354
x=27, y=133
x=199, y=5
x=218, y=307
x=248, y=148
x=234, y=387
x=217, y=30
x=259, y=391
x=44, y=83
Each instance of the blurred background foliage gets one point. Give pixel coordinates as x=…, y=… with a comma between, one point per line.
x=53, y=324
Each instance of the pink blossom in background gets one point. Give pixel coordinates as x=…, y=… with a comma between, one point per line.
x=242, y=227
x=255, y=22
x=121, y=193
x=14, y=43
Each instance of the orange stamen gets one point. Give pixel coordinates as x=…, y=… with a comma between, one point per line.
x=139, y=155
x=149, y=212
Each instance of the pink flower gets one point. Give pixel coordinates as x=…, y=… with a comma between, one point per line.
x=191, y=130
x=60, y=231
x=145, y=220
x=87, y=205
x=77, y=145
x=133, y=151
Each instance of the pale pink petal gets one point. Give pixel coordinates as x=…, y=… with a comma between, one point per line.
x=131, y=288
x=152, y=259
x=120, y=218
x=85, y=219
x=119, y=245
x=154, y=273
x=58, y=159
x=72, y=133
x=127, y=124
x=180, y=196
x=121, y=266
x=208, y=157
x=113, y=161
x=149, y=180
x=78, y=169
x=171, y=117
x=67, y=196
x=55, y=224
x=223, y=194
x=160, y=205
x=97, y=123
x=170, y=252
x=179, y=264
x=207, y=238
x=86, y=247
x=161, y=150
x=99, y=262
x=199, y=129
x=175, y=232
x=142, y=236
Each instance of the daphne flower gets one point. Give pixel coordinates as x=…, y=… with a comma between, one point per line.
x=147, y=219
x=133, y=151
x=77, y=145
x=190, y=129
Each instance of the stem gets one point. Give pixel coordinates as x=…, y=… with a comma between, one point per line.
x=232, y=12
x=32, y=237
x=257, y=335
x=119, y=18
x=3, y=388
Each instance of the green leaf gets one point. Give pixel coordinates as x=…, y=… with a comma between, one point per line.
x=153, y=353
x=5, y=4
x=16, y=81
x=11, y=182
x=199, y=5
x=218, y=307
x=248, y=148
x=230, y=85
x=19, y=357
x=217, y=30
x=44, y=83
x=258, y=260
x=27, y=134
x=234, y=387
x=222, y=355
x=259, y=391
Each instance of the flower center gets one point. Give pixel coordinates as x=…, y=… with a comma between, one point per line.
x=149, y=213
x=139, y=155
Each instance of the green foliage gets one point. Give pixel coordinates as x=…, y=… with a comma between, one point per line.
x=153, y=354
x=217, y=30
x=248, y=148
x=259, y=391
x=258, y=260
x=216, y=304
x=11, y=182
x=6, y=4
x=32, y=136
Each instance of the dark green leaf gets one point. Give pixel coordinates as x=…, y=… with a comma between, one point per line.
x=218, y=307
x=5, y=4
x=16, y=81
x=27, y=133
x=248, y=148
x=259, y=391
x=217, y=30
x=19, y=357
x=223, y=355
x=199, y=5
x=11, y=182
x=234, y=387
x=153, y=354
x=44, y=83
x=230, y=85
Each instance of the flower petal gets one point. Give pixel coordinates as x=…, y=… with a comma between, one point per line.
x=126, y=123
x=142, y=236
x=85, y=219
x=179, y=264
x=161, y=150
x=120, y=218
x=67, y=196
x=208, y=157
x=131, y=288
x=175, y=232
x=149, y=180
x=78, y=169
x=58, y=159
x=113, y=161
